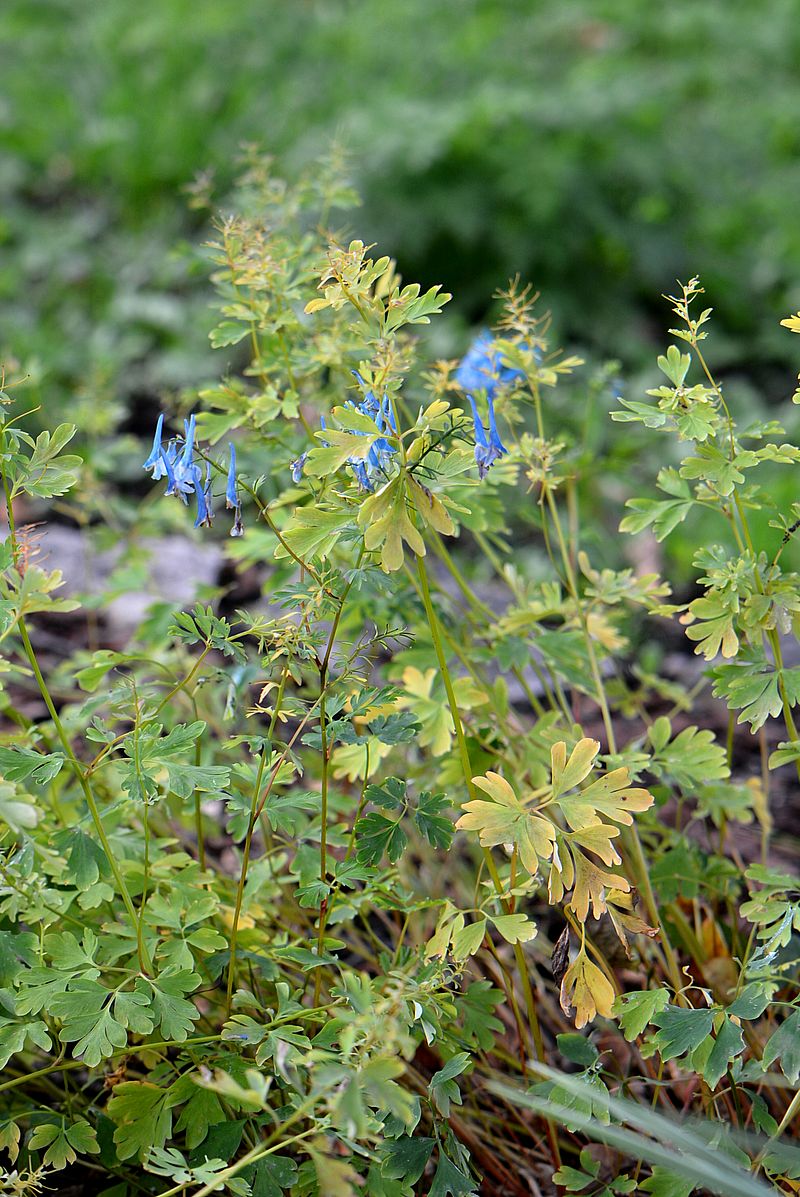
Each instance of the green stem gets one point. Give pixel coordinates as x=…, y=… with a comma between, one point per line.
x=466, y=766
x=144, y=958
x=248, y=840
x=630, y=836
x=323, y=731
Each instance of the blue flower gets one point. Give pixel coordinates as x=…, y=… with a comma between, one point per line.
x=483, y=369
x=184, y=474
x=231, y=493
x=375, y=466
x=202, y=492
x=154, y=460
x=297, y=467
x=178, y=471
x=495, y=444
x=486, y=451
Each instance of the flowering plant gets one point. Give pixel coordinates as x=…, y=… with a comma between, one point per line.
x=242, y=948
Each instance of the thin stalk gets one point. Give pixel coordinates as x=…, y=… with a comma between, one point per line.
x=519, y=956
x=630, y=835
x=144, y=957
x=248, y=840
x=324, y=784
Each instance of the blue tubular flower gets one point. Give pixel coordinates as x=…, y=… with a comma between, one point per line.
x=183, y=467
x=297, y=467
x=361, y=475
x=388, y=413
x=486, y=451
x=495, y=444
x=184, y=475
x=203, y=495
x=154, y=460
x=483, y=369
x=168, y=473
x=365, y=470
x=231, y=494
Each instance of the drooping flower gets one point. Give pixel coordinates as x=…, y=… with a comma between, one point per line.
x=483, y=368
x=297, y=467
x=495, y=444
x=154, y=460
x=484, y=371
x=374, y=467
x=184, y=474
x=205, y=515
x=486, y=451
x=231, y=493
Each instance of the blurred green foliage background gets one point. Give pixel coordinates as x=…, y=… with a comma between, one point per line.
x=599, y=147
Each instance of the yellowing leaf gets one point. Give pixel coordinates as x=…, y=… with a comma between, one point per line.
x=350, y=760
x=611, y=795
x=569, y=773
x=620, y=910
x=586, y=991
x=432, y=709
x=430, y=509
x=506, y=821
x=591, y=884
x=597, y=839
x=385, y=518
x=601, y=629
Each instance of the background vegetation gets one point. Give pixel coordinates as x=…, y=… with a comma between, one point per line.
x=600, y=149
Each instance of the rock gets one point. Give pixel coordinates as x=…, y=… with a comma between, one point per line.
x=178, y=568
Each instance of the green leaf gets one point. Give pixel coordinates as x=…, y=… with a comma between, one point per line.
x=753, y=1000
x=692, y=758
x=572, y=1179
x=450, y=1181
x=406, y=1157
x=169, y=1008
x=314, y=531
x=681, y=1030
x=142, y=1115
x=754, y=692
x=271, y=1177
x=46, y=473
x=86, y=860
x=17, y=764
x=728, y=1044
x=17, y=812
x=663, y=1183
x=514, y=928
x=377, y=835
x=15, y=1036
x=784, y=1047
x=97, y=1019
x=202, y=1110
x=578, y=1049
x=636, y=1011
x=467, y=940
x=477, y=1006
x=675, y=365
x=437, y=828
x=64, y=1143
x=442, y=1086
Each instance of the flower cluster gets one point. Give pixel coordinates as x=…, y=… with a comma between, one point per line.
x=373, y=468
x=375, y=465
x=185, y=476
x=483, y=371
